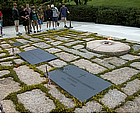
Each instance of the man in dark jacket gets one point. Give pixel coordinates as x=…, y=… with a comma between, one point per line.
x=16, y=16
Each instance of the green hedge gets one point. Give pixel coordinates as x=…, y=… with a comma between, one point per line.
x=106, y=15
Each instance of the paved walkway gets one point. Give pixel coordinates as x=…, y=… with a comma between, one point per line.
x=121, y=32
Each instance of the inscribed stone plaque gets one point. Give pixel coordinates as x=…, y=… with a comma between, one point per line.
x=37, y=56
x=78, y=82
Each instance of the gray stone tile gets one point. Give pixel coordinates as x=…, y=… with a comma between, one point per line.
x=115, y=61
x=77, y=47
x=43, y=68
x=57, y=63
x=7, y=58
x=18, y=61
x=4, y=72
x=121, y=75
x=28, y=76
x=55, y=43
x=8, y=106
x=136, y=65
x=53, y=50
x=9, y=63
x=136, y=47
x=6, y=46
x=35, y=39
x=66, y=56
x=23, y=41
x=130, y=57
x=29, y=48
x=16, y=51
x=36, y=101
x=113, y=98
x=2, y=54
x=7, y=86
x=132, y=87
x=90, y=107
x=103, y=63
x=41, y=45
x=89, y=66
x=130, y=107
x=69, y=103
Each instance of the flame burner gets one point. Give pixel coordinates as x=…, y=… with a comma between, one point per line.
x=108, y=47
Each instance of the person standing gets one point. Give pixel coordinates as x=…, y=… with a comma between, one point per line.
x=29, y=11
x=34, y=18
x=49, y=17
x=40, y=17
x=63, y=13
x=16, y=16
x=55, y=14
x=1, y=19
x=25, y=19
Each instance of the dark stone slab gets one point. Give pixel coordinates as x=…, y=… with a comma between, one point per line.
x=37, y=56
x=17, y=44
x=79, y=83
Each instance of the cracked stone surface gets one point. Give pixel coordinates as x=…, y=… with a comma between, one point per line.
x=57, y=63
x=130, y=106
x=113, y=98
x=61, y=97
x=136, y=65
x=121, y=75
x=8, y=106
x=115, y=61
x=130, y=57
x=36, y=101
x=132, y=87
x=28, y=76
x=7, y=86
x=89, y=66
x=4, y=72
x=90, y=107
x=43, y=68
x=66, y=56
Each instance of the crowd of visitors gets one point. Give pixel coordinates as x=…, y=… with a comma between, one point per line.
x=32, y=18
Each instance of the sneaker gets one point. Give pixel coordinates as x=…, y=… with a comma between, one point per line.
x=34, y=31
x=65, y=26
x=18, y=34
x=38, y=31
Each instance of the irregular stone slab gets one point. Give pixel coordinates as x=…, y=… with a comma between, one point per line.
x=9, y=63
x=57, y=63
x=90, y=107
x=55, y=43
x=103, y=63
x=43, y=68
x=136, y=65
x=8, y=106
x=136, y=47
x=28, y=76
x=7, y=58
x=108, y=47
x=4, y=72
x=89, y=66
x=17, y=44
x=6, y=46
x=66, y=56
x=69, y=103
x=73, y=42
x=16, y=50
x=53, y=50
x=18, y=61
x=41, y=45
x=120, y=76
x=132, y=87
x=23, y=41
x=2, y=54
x=88, y=39
x=113, y=98
x=0, y=49
x=78, y=47
x=130, y=57
x=29, y=48
x=36, y=101
x=7, y=86
x=115, y=61
x=35, y=39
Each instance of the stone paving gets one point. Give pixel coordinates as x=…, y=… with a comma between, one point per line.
x=24, y=86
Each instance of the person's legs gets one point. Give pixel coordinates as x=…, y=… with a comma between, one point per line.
x=1, y=28
x=33, y=24
x=16, y=25
x=36, y=24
